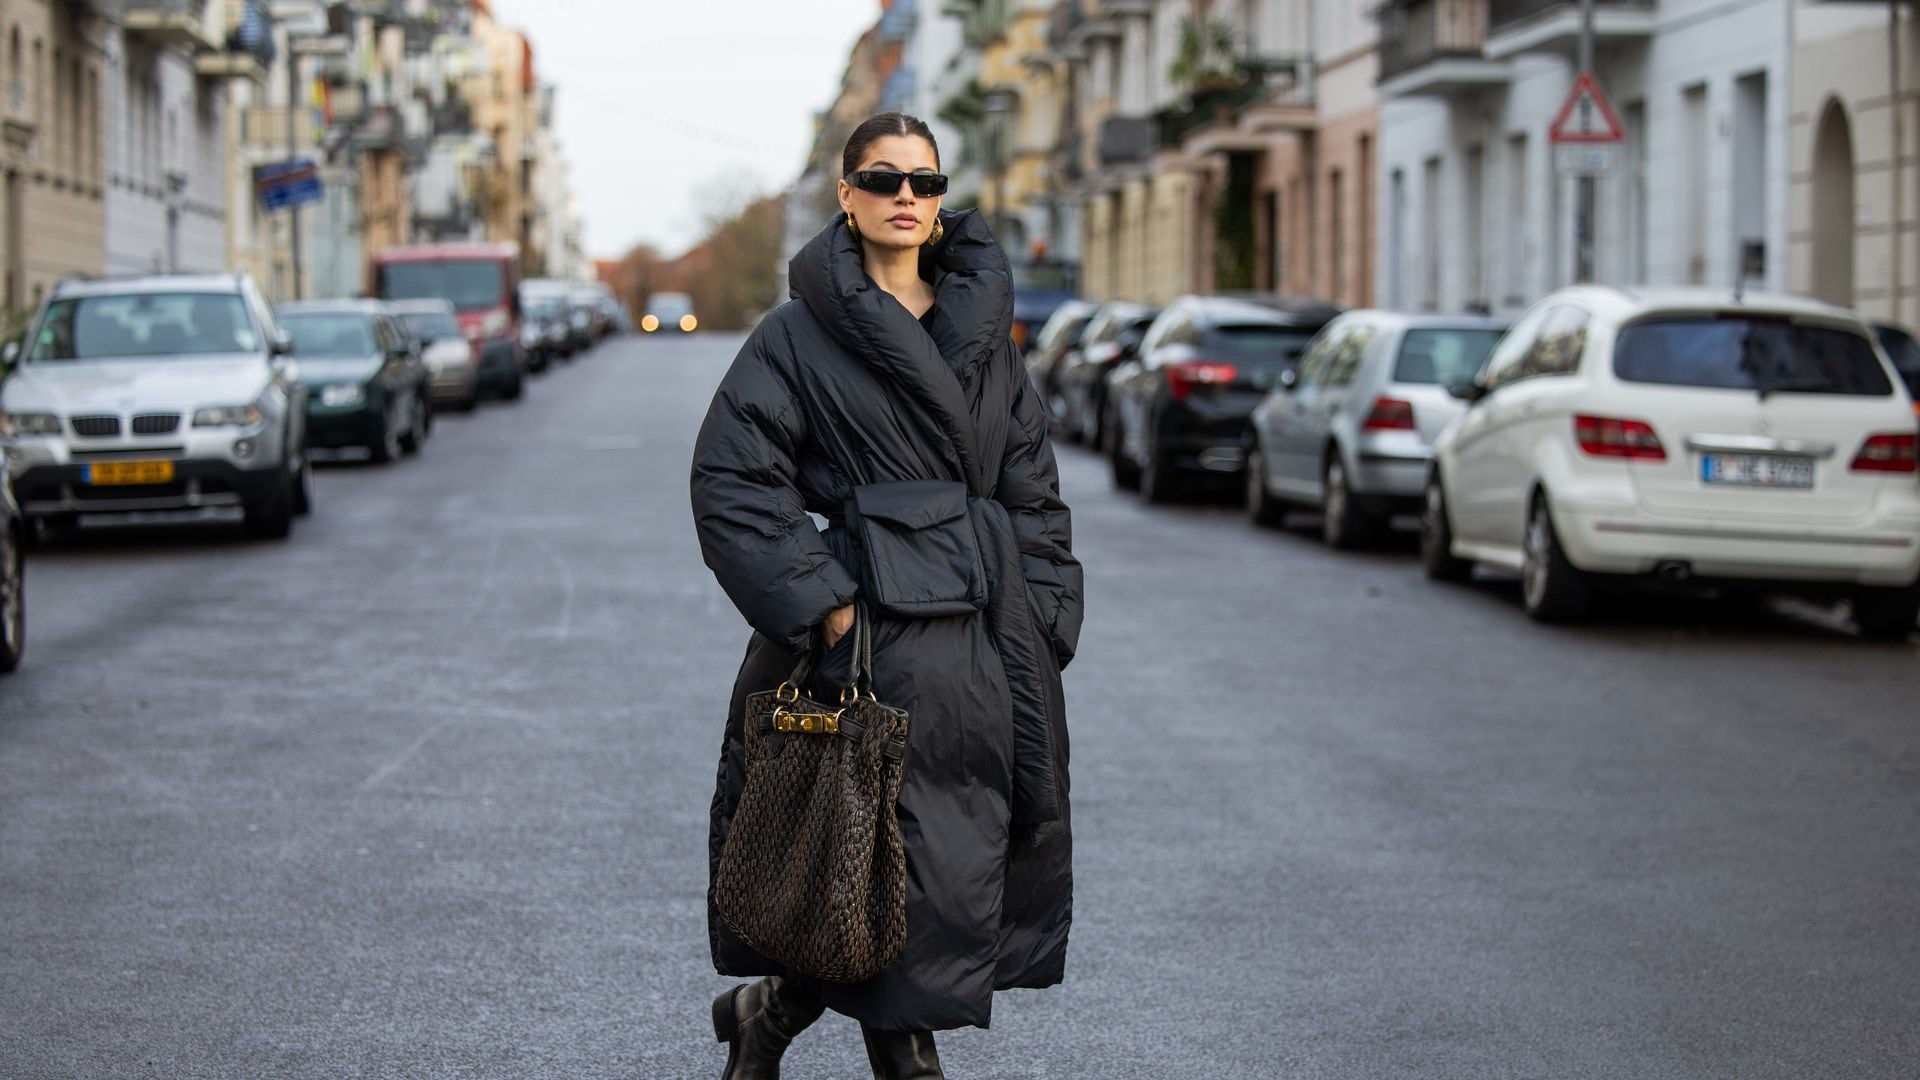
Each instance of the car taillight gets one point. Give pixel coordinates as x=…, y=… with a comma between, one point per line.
x=1603, y=436
x=1390, y=414
x=1889, y=454
x=1183, y=376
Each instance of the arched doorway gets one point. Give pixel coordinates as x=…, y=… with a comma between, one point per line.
x=1833, y=213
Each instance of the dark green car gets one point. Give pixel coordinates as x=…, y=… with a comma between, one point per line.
x=366, y=383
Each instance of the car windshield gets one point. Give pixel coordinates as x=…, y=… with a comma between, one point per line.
x=1437, y=356
x=470, y=284
x=1905, y=354
x=432, y=325
x=144, y=325
x=1263, y=344
x=328, y=333
x=1746, y=353
x=668, y=307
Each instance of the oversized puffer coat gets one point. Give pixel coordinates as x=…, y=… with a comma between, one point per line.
x=970, y=581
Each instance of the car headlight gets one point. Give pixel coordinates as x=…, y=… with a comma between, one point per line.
x=342, y=394
x=29, y=423
x=688, y=324
x=529, y=335
x=228, y=416
x=649, y=322
x=495, y=324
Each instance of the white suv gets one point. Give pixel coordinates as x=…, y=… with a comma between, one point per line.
x=1690, y=436
x=160, y=393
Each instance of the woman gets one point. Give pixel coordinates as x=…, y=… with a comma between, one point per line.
x=893, y=363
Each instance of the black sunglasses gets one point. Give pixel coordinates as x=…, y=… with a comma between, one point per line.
x=926, y=185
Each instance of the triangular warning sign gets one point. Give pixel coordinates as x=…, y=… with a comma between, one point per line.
x=1586, y=116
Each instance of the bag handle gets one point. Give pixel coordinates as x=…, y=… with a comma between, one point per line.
x=862, y=663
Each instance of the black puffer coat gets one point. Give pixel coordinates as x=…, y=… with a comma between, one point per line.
x=842, y=388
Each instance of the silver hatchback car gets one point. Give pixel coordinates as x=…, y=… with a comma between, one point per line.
x=1351, y=430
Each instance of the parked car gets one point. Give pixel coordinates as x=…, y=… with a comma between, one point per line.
x=366, y=384
x=482, y=281
x=549, y=309
x=1110, y=339
x=1351, y=430
x=1904, y=351
x=454, y=377
x=156, y=393
x=1062, y=332
x=1181, y=407
x=13, y=571
x=669, y=309
x=1687, y=435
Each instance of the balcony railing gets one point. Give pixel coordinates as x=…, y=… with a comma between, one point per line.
x=1503, y=15
x=1415, y=33
x=1207, y=107
x=174, y=23
x=1126, y=140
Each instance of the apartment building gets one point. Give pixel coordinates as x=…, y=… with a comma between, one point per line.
x=1473, y=210
x=52, y=166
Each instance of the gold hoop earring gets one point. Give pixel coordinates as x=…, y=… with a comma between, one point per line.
x=852, y=225
x=939, y=231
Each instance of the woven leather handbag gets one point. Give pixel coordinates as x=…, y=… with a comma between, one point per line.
x=813, y=874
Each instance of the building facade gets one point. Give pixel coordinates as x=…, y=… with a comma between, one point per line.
x=1474, y=212
x=52, y=157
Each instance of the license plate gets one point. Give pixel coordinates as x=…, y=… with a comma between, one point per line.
x=130, y=472
x=1757, y=470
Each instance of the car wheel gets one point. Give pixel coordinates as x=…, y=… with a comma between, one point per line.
x=1126, y=474
x=271, y=517
x=388, y=445
x=1343, y=523
x=1159, y=479
x=415, y=434
x=513, y=390
x=13, y=601
x=1551, y=588
x=1436, y=540
x=1887, y=614
x=303, y=485
x=1262, y=508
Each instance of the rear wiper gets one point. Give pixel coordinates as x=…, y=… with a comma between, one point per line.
x=1749, y=363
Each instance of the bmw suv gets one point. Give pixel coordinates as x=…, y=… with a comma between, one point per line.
x=161, y=393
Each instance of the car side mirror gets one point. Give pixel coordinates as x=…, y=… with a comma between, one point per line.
x=1468, y=392
x=282, y=344
x=1289, y=379
x=9, y=358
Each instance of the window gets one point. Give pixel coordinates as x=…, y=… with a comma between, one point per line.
x=1502, y=365
x=1557, y=350
x=1749, y=353
x=330, y=333
x=1313, y=362
x=1443, y=356
x=1343, y=360
x=144, y=325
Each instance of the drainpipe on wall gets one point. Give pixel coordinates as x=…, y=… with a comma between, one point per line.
x=1897, y=97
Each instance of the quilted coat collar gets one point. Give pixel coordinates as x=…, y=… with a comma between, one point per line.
x=973, y=314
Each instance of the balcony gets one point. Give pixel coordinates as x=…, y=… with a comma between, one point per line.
x=170, y=23
x=1436, y=48
x=1127, y=140
x=1524, y=26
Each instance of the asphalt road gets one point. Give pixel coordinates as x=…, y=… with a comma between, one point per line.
x=423, y=792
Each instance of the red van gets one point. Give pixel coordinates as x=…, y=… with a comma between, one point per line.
x=483, y=283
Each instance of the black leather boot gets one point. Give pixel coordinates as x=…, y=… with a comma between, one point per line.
x=758, y=1020
x=902, y=1055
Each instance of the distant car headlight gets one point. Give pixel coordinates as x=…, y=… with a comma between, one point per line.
x=529, y=335
x=29, y=423
x=229, y=416
x=340, y=394
x=650, y=322
x=688, y=323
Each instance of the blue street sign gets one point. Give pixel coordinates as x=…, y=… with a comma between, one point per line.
x=284, y=184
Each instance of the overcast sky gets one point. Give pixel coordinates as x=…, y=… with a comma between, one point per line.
x=662, y=101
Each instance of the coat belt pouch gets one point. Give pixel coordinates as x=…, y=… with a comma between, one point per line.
x=920, y=557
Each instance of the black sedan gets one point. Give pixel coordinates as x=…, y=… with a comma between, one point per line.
x=366, y=384
x=13, y=576
x=1182, y=405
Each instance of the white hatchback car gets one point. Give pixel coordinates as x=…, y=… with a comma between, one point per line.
x=1690, y=436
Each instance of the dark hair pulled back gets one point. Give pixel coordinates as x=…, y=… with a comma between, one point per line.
x=875, y=128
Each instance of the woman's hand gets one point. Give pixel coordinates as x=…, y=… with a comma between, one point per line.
x=838, y=623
